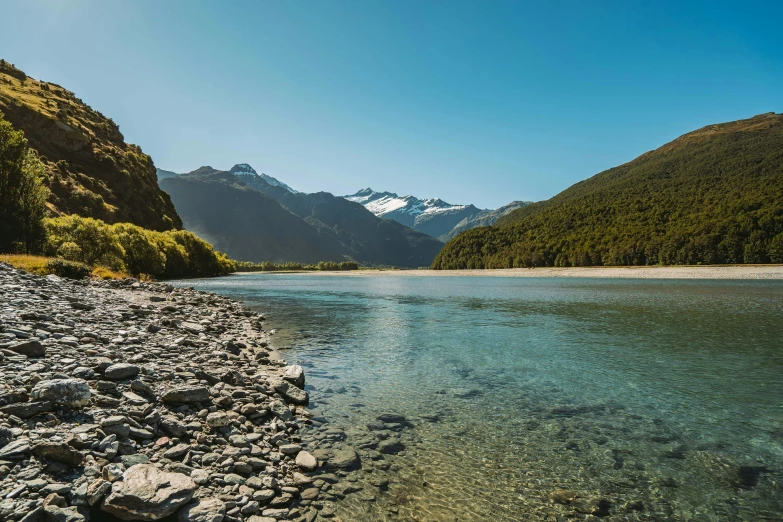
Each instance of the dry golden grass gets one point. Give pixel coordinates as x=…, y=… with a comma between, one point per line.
x=32, y=264
x=37, y=265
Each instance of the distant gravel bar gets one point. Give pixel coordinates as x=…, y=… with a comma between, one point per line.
x=598, y=272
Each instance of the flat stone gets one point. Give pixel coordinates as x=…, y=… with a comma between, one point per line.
x=233, y=478
x=131, y=460
x=186, y=394
x=391, y=417
x=203, y=510
x=177, y=451
x=146, y=493
x=121, y=371
x=310, y=494
x=31, y=348
x=59, y=452
x=26, y=410
x=15, y=449
x=290, y=449
x=191, y=327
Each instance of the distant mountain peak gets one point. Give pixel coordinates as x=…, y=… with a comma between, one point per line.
x=243, y=169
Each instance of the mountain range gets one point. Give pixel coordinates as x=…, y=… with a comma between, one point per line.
x=712, y=196
x=90, y=170
x=255, y=217
x=433, y=216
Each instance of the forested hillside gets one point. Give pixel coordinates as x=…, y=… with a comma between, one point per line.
x=89, y=169
x=711, y=196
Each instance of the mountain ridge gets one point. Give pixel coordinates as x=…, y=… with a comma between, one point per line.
x=231, y=210
x=711, y=196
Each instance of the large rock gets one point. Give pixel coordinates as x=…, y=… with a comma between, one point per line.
x=121, y=371
x=295, y=375
x=146, y=493
x=31, y=348
x=72, y=393
x=58, y=451
x=346, y=459
x=306, y=461
x=186, y=394
x=203, y=510
x=291, y=393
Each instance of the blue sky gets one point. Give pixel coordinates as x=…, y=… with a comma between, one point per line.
x=476, y=102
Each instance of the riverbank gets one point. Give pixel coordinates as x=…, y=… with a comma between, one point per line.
x=625, y=272
x=143, y=401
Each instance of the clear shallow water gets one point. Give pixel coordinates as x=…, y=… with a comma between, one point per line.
x=542, y=399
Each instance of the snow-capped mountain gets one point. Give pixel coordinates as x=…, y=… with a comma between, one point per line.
x=244, y=170
x=433, y=216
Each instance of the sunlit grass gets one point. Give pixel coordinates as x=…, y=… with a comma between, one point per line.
x=38, y=265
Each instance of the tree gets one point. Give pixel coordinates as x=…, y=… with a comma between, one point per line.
x=22, y=193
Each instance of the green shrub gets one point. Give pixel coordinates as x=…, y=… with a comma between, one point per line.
x=69, y=269
x=127, y=247
x=22, y=193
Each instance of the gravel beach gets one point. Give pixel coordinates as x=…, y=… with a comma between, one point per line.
x=124, y=400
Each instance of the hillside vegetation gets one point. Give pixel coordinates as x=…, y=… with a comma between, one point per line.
x=88, y=168
x=712, y=196
x=127, y=248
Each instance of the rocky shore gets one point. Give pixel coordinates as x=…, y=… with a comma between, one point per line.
x=124, y=400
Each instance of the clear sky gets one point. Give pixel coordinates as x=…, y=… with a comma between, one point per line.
x=476, y=102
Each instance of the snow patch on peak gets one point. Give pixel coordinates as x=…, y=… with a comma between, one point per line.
x=243, y=169
x=383, y=203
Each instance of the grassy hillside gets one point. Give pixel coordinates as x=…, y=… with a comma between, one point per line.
x=711, y=196
x=90, y=170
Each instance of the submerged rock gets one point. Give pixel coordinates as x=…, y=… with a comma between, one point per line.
x=345, y=459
